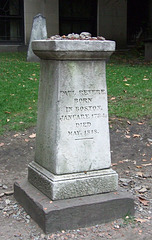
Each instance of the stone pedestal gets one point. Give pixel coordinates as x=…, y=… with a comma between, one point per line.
x=72, y=156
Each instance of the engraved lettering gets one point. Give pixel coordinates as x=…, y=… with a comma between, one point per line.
x=82, y=100
x=88, y=108
x=74, y=133
x=83, y=124
x=74, y=117
x=67, y=93
x=83, y=112
x=88, y=132
x=87, y=92
x=68, y=109
x=96, y=115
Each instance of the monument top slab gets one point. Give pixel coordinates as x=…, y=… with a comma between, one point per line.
x=73, y=49
x=74, y=45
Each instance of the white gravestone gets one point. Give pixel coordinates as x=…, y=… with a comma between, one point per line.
x=38, y=32
x=72, y=156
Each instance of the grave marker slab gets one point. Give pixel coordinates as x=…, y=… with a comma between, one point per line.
x=38, y=32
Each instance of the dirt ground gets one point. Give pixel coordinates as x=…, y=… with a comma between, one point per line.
x=131, y=150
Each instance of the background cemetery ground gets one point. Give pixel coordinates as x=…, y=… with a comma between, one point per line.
x=131, y=143
x=129, y=90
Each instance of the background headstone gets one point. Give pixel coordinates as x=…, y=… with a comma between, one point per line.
x=148, y=49
x=38, y=32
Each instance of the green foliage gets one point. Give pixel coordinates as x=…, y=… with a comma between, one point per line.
x=128, y=219
x=129, y=81
x=18, y=91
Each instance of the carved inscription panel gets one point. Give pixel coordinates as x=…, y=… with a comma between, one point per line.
x=81, y=112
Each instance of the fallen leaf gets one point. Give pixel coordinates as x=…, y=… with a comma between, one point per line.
x=146, y=164
x=141, y=220
x=143, y=190
x=16, y=135
x=143, y=201
x=125, y=79
x=33, y=135
x=127, y=136
x=113, y=98
x=140, y=174
x=2, y=144
x=140, y=123
x=9, y=193
x=138, y=166
x=114, y=164
x=136, y=135
x=126, y=160
x=7, y=112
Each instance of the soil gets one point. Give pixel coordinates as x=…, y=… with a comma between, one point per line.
x=131, y=144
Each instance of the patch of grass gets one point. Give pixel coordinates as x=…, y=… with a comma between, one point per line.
x=129, y=82
x=18, y=92
x=128, y=219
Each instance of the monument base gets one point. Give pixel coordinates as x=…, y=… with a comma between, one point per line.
x=74, y=213
x=67, y=186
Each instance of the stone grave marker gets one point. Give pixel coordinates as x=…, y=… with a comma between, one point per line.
x=148, y=49
x=38, y=32
x=70, y=182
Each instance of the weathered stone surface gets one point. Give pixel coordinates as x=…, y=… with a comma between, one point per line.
x=38, y=32
x=72, y=130
x=72, y=185
x=78, y=139
x=73, y=213
x=83, y=50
